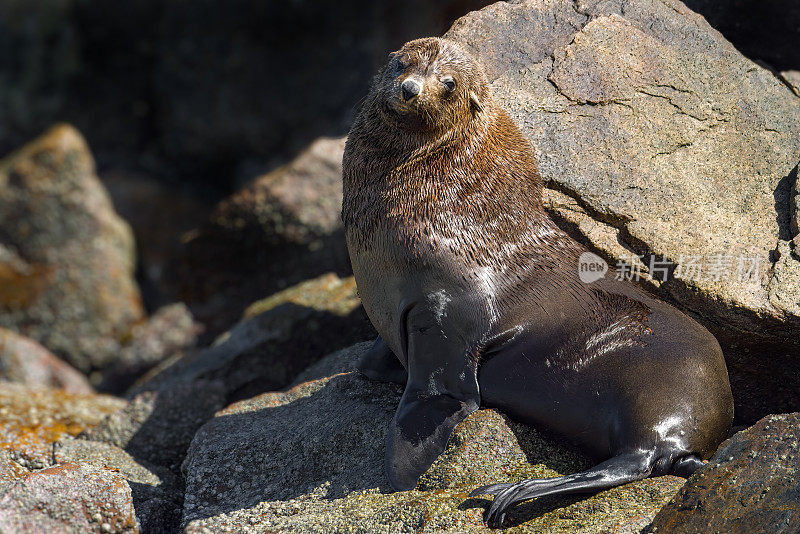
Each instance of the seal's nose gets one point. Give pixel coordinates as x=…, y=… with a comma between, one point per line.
x=410, y=88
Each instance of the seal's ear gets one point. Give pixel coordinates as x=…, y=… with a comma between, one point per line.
x=475, y=101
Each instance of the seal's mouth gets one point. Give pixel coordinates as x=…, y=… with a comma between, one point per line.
x=402, y=114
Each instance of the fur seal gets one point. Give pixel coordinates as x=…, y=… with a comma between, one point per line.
x=475, y=293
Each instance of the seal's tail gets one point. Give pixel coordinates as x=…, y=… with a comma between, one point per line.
x=613, y=472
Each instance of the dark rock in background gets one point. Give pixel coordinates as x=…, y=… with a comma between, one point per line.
x=761, y=29
x=198, y=92
x=750, y=486
x=24, y=361
x=282, y=228
x=167, y=333
x=66, y=258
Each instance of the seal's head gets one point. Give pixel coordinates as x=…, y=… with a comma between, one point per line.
x=430, y=85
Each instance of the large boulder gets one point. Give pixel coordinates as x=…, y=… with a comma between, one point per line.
x=750, y=486
x=311, y=458
x=24, y=361
x=66, y=258
x=663, y=147
x=282, y=228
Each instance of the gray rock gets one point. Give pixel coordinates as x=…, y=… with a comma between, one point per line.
x=66, y=258
x=157, y=493
x=658, y=139
x=276, y=339
x=750, y=486
x=157, y=425
x=311, y=459
x=69, y=498
x=24, y=361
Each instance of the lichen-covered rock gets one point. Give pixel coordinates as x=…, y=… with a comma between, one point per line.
x=276, y=339
x=24, y=361
x=32, y=419
x=311, y=459
x=69, y=497
x=157, y=493
x=750, y=486
x=167, y=333
x=282, y=228
x=658, y=139
x=66, y=258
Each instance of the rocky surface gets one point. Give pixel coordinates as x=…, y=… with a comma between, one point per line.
x=284, y=227
x=311, y=459
x=658, y=139
x=276, y=339
x=750, y=485
x=24, y=361
x=32, y=419
x=66, y=258
x=69, y=497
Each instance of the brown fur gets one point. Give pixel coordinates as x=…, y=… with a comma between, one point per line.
x=441, y=161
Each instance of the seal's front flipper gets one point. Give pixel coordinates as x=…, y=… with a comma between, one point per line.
x=419, y=432
x=379, y=363
x=442, y=390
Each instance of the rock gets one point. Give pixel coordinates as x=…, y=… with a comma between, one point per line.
x=32, y=419
x=169, y=332
x=24, y=361
x=749, y=486
x=658, y=139
x=156, y=426
x=69, y=498
x=157, y=493
x=311, y=458
x=282, y=228
x=66, y=258
x=276, y=339
x=761, y=30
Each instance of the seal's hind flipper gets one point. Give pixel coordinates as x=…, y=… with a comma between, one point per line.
x=614, y=472
x=379, y=363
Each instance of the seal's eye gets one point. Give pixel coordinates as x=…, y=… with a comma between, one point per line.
x=449, y=84
x=399, y=66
